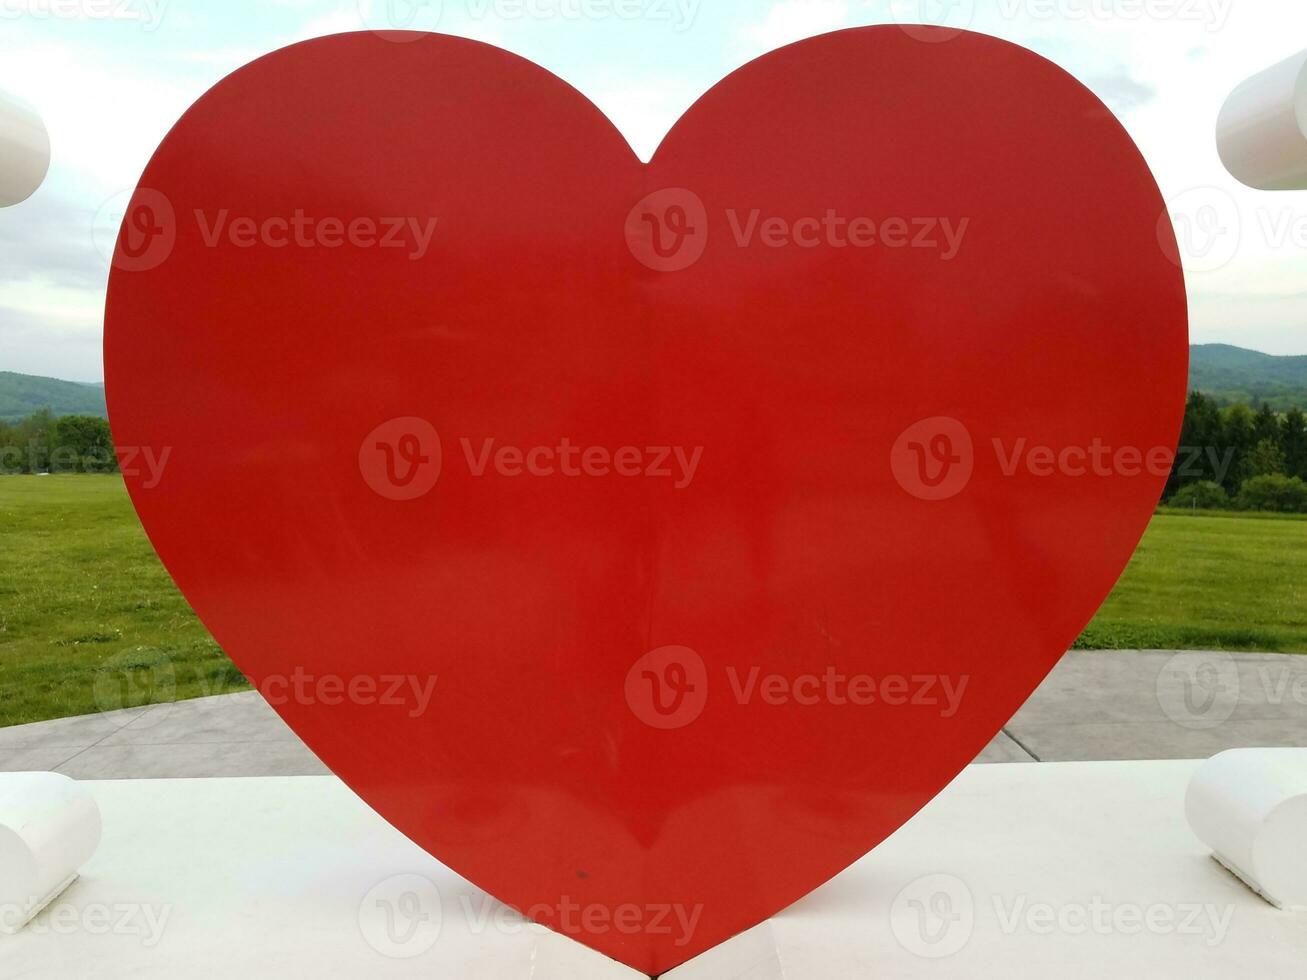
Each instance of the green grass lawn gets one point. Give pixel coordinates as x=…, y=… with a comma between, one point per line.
x=90, y=621
x=1201, y=581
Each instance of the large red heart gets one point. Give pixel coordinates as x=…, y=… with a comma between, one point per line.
x=733, y=500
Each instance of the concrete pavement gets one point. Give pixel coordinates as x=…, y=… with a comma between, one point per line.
x=1094, y=706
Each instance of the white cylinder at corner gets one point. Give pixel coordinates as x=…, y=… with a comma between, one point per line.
x=1262, y=130
x=1250, y=807
x=24, y=150
x=49, y=827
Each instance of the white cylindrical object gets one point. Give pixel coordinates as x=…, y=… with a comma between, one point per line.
x=24, y=150
x=1250, y=807
x=49, y=828
x=1262, y=130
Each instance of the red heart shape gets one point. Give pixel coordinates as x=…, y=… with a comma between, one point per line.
x=696, y=686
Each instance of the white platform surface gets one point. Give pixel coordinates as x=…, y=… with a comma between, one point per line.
x=1063, y=870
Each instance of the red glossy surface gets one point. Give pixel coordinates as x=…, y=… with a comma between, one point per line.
x=597, y=737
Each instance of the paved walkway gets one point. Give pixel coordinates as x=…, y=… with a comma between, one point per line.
x=1103, y=705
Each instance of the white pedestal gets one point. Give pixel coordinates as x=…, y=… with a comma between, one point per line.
x=1065, y=870
x=49, y=828
x=24, y=150
x=1261, y=132
x=1250, y=807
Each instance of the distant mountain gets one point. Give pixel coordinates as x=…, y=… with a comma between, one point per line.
x=1229, y=374
x=1232, y=374
x=23, y=394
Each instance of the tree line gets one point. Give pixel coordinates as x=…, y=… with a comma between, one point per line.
x=44, y=443
x=1231, y=457
x=1238, y=458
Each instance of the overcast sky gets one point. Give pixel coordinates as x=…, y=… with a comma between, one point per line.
x=111, y=76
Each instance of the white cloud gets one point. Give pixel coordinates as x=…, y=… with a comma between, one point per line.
x=787, y=21
x=104, y=119
x=109, y=93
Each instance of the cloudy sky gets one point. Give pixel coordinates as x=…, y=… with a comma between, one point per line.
x=111, y=76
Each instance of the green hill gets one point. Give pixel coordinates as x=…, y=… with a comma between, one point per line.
x=23, y=394
x=1232, y=374
x=1229, y=374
